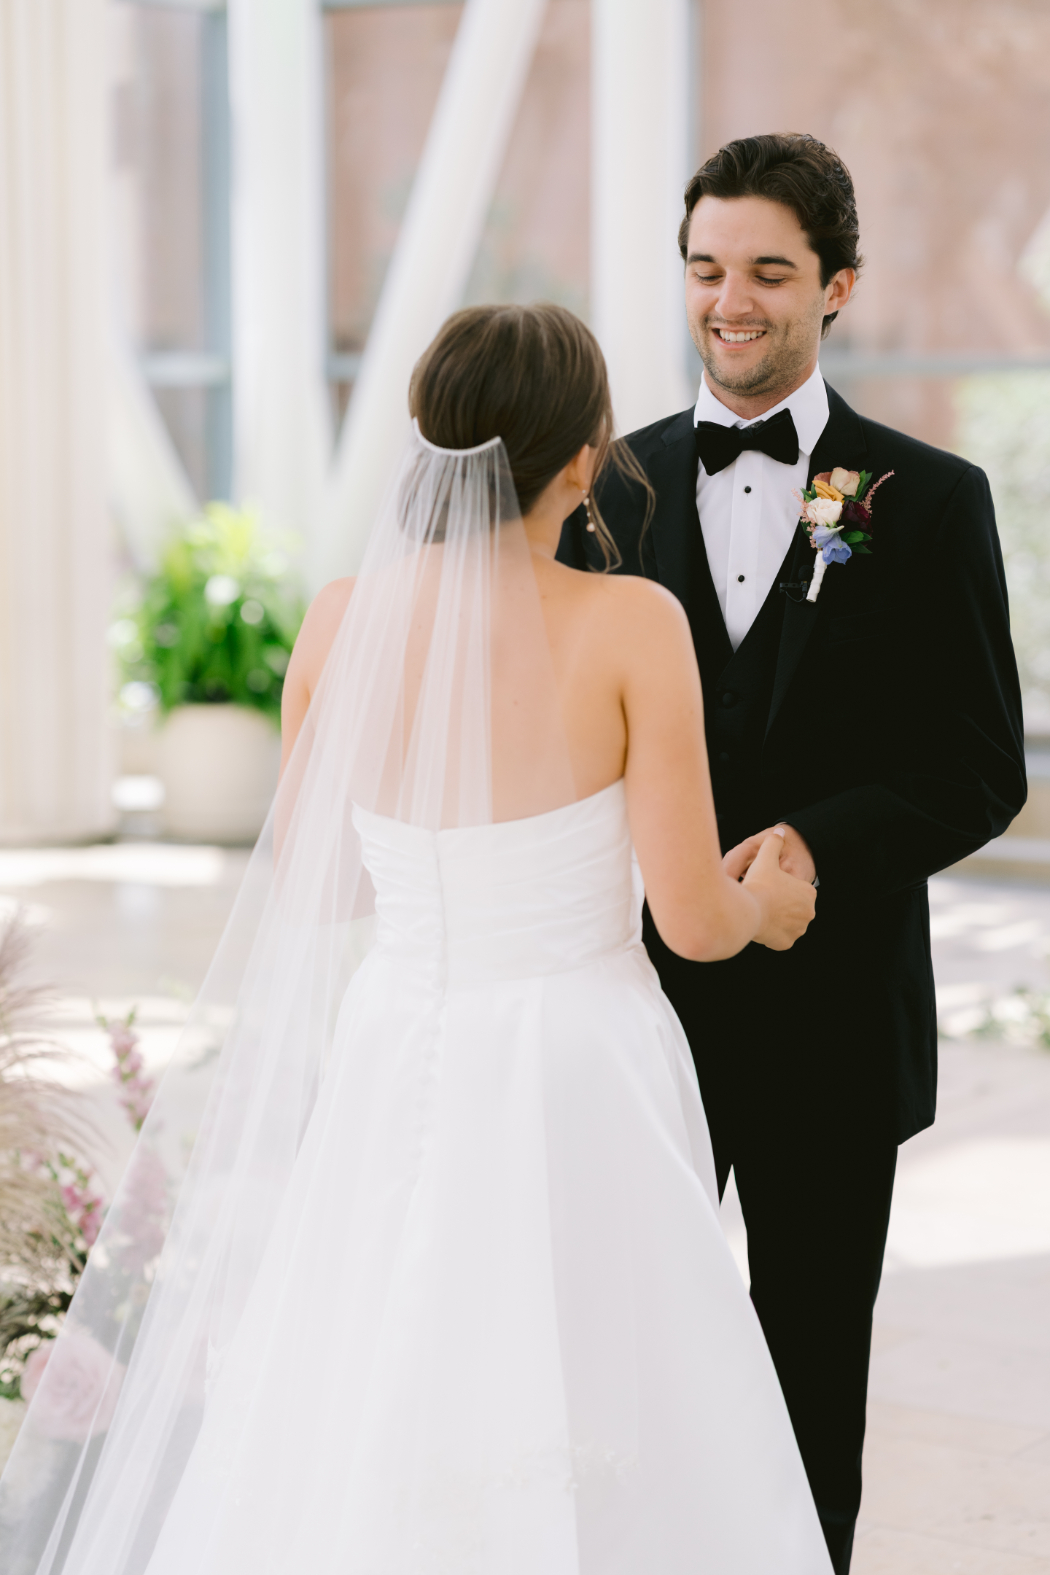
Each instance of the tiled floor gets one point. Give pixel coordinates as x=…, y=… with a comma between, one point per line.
x=957, y=1463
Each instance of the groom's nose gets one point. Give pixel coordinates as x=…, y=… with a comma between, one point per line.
x=736, y=297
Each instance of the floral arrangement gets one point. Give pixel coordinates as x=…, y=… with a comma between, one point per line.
x=216, y=623
x=82, y=1393
x=136, y=1089
x=51, y=1208
x=1022, y=1017
x=836, y=514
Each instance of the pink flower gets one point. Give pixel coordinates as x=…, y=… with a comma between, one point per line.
x=90, y=1223
x=76, y=1384
x=845, y=481
x=143, y=1214
x=83, y=1206
x=128, y=1071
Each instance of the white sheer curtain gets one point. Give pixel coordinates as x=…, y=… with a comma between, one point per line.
x=55, y=558
x=639, y=159
x=282, y=434
x=431, y=264
x=150, y=491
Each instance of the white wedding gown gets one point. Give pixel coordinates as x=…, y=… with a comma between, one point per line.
x=498, y=1330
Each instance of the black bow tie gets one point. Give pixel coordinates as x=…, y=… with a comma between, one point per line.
x=718, y=446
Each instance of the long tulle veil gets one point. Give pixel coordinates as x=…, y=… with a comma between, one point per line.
x=437, y=706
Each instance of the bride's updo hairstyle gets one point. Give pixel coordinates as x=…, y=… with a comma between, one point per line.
x=534, y=376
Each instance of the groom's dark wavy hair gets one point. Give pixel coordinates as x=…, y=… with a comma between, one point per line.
x=795, y=169
x=534, y=376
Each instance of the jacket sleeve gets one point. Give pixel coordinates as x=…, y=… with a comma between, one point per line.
x=953, y=725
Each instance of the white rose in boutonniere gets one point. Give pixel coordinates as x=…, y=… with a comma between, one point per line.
x=823, y=511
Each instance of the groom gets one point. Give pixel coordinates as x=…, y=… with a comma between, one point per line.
x=880, y=723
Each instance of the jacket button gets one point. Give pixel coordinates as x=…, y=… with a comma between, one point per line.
x=724, y=756
x=729, y=698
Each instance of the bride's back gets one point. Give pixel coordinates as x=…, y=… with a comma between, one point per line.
x=515, y=401
x=517, y=685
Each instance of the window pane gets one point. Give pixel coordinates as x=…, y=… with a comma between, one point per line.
x=385, y=68
x=157, y=195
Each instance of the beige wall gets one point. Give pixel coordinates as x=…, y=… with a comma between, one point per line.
x=155, y=194
x=941, y=110
x=384, y=70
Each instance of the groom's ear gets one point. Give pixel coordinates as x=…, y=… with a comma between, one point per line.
x=837, y=292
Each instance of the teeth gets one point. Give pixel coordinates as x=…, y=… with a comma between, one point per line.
x=740, y=338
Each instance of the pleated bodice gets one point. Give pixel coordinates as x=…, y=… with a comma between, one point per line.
x=511, y=900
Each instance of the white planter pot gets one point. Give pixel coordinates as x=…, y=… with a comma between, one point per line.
x=219, y=766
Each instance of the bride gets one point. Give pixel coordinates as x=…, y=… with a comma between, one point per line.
x=443, y=1287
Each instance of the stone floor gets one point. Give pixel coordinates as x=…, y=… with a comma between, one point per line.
x=957, y=1462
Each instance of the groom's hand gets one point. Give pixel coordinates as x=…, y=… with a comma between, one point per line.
x=796, y=859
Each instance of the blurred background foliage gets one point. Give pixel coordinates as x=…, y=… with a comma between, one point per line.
x=1004, y=426
x=217, y=622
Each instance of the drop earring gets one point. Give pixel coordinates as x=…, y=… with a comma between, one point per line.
x=590, y=517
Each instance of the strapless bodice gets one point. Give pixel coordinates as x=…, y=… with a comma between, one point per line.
x=510, y=900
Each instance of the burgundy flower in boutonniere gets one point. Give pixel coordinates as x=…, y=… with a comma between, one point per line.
x=836, y=514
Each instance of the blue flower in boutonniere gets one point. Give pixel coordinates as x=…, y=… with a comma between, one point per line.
x=836, y=514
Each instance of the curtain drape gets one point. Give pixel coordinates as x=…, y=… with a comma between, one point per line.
x=282, y=437
x=639, y=166
x=55, y=557
x=432, y=261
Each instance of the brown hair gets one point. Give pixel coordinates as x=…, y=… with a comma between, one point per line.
x=794, y=169
x=534, y=376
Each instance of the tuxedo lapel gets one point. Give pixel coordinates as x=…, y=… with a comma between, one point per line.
x=677, y=543
x=840, y=443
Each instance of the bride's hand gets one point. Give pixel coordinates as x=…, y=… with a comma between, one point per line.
x=788, y=904
x=796, y=858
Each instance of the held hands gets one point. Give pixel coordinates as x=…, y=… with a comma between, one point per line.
x=796, y=859
x=788, y=903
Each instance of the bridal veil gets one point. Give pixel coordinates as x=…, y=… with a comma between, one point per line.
x=437, y=706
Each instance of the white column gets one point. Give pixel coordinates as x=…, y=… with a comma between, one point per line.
x=433, y=258
x=281, y=420
x=55, y=739
x=640, y=103
x=150, y=492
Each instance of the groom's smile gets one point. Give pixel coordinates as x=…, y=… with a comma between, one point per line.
x=755, y=300
x=729, y=336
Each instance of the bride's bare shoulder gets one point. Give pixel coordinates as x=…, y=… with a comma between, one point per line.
x=332, y=599
x=325, y=612
x=628, y=607
x=319, y=629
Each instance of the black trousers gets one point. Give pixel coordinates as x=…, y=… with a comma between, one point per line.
x=797, y=1104
x=816, y=1204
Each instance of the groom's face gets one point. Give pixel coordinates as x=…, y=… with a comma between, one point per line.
x=754, y=297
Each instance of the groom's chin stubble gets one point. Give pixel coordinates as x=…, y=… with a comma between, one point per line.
x=767, y=376
x=757, y=379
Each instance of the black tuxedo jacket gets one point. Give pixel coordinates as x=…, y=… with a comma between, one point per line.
x=882, y=721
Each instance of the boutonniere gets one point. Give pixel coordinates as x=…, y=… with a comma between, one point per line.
x=836, y=514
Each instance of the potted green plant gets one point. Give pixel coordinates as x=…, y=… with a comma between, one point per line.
x=211, y=639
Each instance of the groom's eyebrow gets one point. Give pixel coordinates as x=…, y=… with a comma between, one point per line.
x=755, y=262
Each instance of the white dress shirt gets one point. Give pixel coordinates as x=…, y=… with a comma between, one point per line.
x=749, y=512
